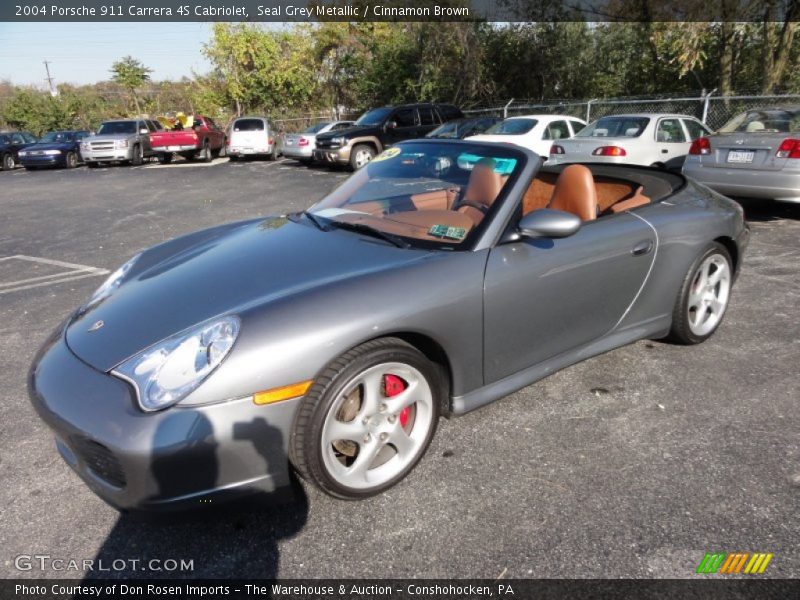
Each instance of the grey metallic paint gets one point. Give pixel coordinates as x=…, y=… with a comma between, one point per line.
x=502, y=315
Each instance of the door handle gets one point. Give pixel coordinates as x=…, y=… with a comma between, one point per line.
x=664, y=151
x=643, y=247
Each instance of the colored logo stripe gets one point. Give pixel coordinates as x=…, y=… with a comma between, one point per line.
x=734, y=562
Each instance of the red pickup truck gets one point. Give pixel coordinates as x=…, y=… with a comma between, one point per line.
x=202, y=140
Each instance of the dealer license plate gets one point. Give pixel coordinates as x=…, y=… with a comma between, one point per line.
x=741, y=156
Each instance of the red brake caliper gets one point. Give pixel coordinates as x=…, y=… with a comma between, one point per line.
x=393, y=386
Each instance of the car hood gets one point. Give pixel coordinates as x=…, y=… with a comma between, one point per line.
x=110, y=136
x=224, y=270
x=51, y=146
x=348, y=133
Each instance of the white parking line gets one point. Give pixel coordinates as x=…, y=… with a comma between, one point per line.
x=75, y=271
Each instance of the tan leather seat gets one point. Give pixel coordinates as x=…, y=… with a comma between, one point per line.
x=638, y=199
x=482, y=190
x=575, y=192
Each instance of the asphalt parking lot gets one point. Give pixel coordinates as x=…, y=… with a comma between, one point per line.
x=632, y=464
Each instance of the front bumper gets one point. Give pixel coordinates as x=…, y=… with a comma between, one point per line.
x=107, y=155
x=338, y=156
x=173, y=459
x=746, y=183
x=49, y=160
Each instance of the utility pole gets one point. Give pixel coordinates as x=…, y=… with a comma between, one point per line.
x=49, y=79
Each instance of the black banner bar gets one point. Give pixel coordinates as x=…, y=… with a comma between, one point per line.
x=394, y=589
x=396, y=10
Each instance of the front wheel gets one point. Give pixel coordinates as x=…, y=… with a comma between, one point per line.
x=361, y=155
x=138, y=156
x=704, y=296
x=71, y=160
x=368, y=419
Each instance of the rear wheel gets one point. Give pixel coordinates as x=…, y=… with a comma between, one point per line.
x=233, y=158
x=704, y=296
x=361, y=155
x=71, y=160
x=205, y=153
x=367, y=420
x=8, y=162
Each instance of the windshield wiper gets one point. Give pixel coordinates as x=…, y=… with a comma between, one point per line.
x=373, y=231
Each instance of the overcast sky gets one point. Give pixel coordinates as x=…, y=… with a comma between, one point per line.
x=83, y=52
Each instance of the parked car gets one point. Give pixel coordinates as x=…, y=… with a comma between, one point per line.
x=125, y=141
x=442, y=276
x=11, y=142
x=535, y=132
x=458, y=129
x=253, y=136
x=54, y=149
x=301, y=145
x=756, y=154
x=379, y=128
x=651, y=139
x=201, y=140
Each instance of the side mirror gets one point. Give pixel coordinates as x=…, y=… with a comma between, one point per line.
x=548, y=223
x=391, y=125
x=143, y=131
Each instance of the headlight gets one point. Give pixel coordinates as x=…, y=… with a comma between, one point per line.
x=23, y=153
x=52, y=152
x=120, y=143
x=166, y=373
x=85, y=145
x=339, y=141
x=112, y=283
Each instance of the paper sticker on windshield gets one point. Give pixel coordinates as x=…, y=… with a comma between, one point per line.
x=443, y=231
x=387, y=154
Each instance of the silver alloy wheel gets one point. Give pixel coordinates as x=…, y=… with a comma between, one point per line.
x=9, y=162
x=382, y=445
x=363, y=156
x=708, y=294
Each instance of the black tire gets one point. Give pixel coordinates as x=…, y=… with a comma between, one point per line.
x=8, y=163
x=356, y=153
x=233, y=158
x=308, y=162
x=165, y=158
x=223, y=151
x=305, y=444
x=681, y=331
x=137, y=156
x=30, y=168
x=91, y=165
x=206, y=155
x=70, y=160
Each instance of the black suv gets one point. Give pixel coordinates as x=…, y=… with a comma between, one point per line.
x=379, y=128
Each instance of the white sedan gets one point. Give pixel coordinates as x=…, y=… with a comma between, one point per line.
x=535, y=132
x=650, y=139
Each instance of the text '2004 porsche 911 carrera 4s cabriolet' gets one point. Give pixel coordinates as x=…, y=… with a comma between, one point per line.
x=442, y=276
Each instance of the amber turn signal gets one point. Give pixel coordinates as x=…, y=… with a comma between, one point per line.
x=282, y=393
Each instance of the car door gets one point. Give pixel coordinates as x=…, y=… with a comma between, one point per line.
x=215, y=134
x=405, y=125
x=17, y=144
x=670, y=140
x=544, y=297
x=428, y=120
x=144, y=138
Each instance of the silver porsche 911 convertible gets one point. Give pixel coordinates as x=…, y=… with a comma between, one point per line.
x=442, y=276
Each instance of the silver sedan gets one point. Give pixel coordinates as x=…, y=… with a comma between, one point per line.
x=301, y=145
x=756, y=154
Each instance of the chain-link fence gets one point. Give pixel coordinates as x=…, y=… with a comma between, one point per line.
x=300, y=123
x=715, y=111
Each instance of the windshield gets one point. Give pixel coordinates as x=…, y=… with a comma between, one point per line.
x=375, y=116
x=615, y=127
x=424, y=192
x=764, y=121
x=56, y=137
x=117, y=127
x=316, y=128
x=512, y=127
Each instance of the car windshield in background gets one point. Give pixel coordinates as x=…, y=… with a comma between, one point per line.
x=373, y=117
x=248, y=125
x=117, y=127
x=764, y=121
x=448, y=130
x=315, y=128
x=56, y=137
x=423, y=193
x=512, y=127
x=615, y=127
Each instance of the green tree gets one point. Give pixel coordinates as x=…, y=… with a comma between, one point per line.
x=131, y=75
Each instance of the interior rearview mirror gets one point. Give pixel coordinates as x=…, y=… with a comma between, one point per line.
x=548, y=223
